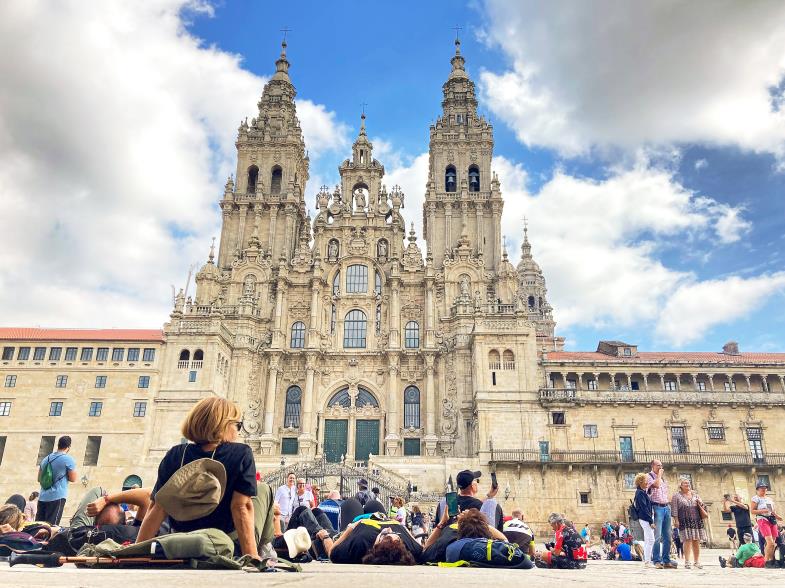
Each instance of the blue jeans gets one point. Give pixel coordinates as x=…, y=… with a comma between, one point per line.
x=662, y=535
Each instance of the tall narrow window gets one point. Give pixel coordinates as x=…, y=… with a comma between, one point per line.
x=102, y=354
x=118, y=353
x=357, y=279
x=54, y=353
x=275, y=180
x=354, y=329
x=337, y=284
x=291, y=417
x=474, y=178
x=298, y=335
x=133, y=354
x=46, y=447
x=95, y=409
x=87, y=354
x=253, y=176
x=70, y=353
x=450, y=179
x=148, y=355
x=8, y=353
x=92, y=450
x=39, y=353
x=2, y=447
x=678, y=440
x=412, y=335
x=755, y=440
x=411, y=408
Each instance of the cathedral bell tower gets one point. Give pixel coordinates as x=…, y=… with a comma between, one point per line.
x=462, y=194
x=264, y=209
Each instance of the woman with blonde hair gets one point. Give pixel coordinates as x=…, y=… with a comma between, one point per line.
x=688, y=514
x=217, y=488
x=644, y=510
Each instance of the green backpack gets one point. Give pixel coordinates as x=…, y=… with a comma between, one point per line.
x=46, y=474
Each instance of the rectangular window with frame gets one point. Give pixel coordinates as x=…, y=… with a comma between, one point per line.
x=8, y=353
x=70, y=353
x=92, y=450
x=46, y=447
x=678, y=440
x=54, y=353
x=102, y=354
x=592, y=384
x=61, y=381
x=716, y=432
x=100, y=381
x=56, y=408
x=289, y=446
x=3, y=439
x=39, y=354
x=118, y=353
x=411, y=446
x=557, y=418
x=5, y=408
x=144, y=382
x=590, y=431
x=148, y=354
x=730, y=386
x=95, y=408
x=133, y=354
x=584, y=497
x=670, y=385
x=629, y=480
x=192, y=376
x=357, y=279
x=23, y=354
x=87, y=354
x=635, y=385
x=10, y=381
x=140, y=408
x=755, y=441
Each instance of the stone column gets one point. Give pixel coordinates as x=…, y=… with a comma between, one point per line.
x=314, y=327
x=629, y=381
x=613, y=381
x=662, y=381
x=430, y=403
x=272, y=241
x=646, y=381
x=765, y=383
x=480, y=225
x=395, y=313
x=447, y=226
x=269, y=441
x=290, y=237
x=596, y=380
x=307, y=440
x=782, y=383
x=711, y=382
x=223, y=255
x=392, y=440
x=580, y=380
x=429, y=313
x=240, y=242
x=694, y=382
x=279, y=337
x=497, y=213
x=749, y=387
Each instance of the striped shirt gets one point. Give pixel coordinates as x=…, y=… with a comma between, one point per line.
x=659, y=496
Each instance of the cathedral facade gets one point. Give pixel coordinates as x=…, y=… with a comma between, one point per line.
x=346, y=339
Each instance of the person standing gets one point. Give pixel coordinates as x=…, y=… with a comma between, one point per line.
x=657, y=489
x=61, y=468
x=363, y=494
x=644, y=509
x=741, y=514
x=763, y=508
x=31, y=507
x=688, y=513
x=285, y=497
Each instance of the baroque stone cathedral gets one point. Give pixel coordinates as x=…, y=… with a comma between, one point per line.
x=347, y=337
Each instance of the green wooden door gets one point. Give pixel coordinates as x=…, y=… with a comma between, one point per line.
x=366, y=439
x=335, y=436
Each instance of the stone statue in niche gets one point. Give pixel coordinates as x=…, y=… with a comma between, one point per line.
x=464, y=286
x=332, y=250
x=381, y=249
x=249, y=286
x=359, y=199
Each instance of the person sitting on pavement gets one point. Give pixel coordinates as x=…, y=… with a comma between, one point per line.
x=331, y=507
x=376, y=540
x=622, y=551
x=517, y=531
x=217, y=488
x=748, y=555
x=469, y=524
x=567, y=552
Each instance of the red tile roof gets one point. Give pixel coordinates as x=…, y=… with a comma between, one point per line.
x=28, y=334
x=668, y=357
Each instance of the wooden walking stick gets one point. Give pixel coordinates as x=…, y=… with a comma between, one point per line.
x=55, y=560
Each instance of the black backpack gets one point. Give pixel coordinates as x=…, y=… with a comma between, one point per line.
x=633, y=514
x=70, y=540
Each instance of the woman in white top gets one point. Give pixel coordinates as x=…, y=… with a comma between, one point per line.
x=763, y=508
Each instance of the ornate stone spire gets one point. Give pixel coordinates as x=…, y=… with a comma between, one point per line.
x=458, y=62
x=211, y=256
x=282, y=65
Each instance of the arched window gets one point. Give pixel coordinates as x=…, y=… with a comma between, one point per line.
x=341, y=398
x=411, y=408
x=298, y=335
x=198, y=355
x=354, y=326
x=450, y=179
x=508, y=359
x=377, y=289
x=531, y=301
x=275, y=180
x=185, y=355
x=132, y=481
x=494, y=360
x=474, y=178
x=253, y=175
x=378, y=319
x=291, y=415
x=411, y=335
x=365, y=398
x=356, y=279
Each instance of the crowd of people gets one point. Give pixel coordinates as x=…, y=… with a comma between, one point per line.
x=211, y=482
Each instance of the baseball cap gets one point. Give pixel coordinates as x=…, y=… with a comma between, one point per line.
x=465, y=478
x=761, y=485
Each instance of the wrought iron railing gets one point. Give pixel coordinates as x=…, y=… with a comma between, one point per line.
x=651, y=396
x=601, y=457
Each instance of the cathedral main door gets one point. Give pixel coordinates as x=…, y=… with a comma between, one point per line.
x=366, y=441
x=335, y=436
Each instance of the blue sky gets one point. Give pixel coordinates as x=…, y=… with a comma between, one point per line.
x=647, y=148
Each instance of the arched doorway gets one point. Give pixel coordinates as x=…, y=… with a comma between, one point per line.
x=352, y=425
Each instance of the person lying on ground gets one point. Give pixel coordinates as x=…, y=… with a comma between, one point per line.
x=314, y=521
x=748, y=555
x=219, y=490
x=469, y=524
x=376, y=540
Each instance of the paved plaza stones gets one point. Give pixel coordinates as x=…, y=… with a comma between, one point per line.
x=325, y=575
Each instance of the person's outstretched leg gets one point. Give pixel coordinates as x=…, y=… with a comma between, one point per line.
x=263, y=514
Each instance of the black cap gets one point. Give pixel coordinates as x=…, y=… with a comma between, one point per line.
x=761, y=485
x=465, y=478
x=363, y=483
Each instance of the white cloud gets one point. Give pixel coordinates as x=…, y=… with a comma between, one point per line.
x=600, y=242
x=608, y=74
x=411, y=175
x=701, y=164
x=117, y=131
x=695, y=307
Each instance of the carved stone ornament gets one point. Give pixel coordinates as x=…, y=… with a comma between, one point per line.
x=299, y=310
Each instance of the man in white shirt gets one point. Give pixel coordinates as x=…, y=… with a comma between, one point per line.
x=285, y=497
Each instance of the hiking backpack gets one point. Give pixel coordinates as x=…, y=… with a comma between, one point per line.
x=46, y=474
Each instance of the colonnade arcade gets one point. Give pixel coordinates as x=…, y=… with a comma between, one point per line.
x=671, y=380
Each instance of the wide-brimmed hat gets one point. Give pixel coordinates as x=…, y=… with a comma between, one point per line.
x=193, y=491
x=297, y=540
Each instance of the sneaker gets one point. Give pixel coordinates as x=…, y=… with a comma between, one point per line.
x=659, y=566
x=771, y=564
x=723, y=562
x=697, y=566
x=671, y=565
x=647, y=565
x=687, y=565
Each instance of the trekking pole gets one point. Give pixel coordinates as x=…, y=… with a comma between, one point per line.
x=56, y=560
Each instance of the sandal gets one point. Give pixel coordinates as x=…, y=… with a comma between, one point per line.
x=697, y=566
x=687, y=565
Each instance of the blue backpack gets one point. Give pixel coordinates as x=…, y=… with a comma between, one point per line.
x=488, y=553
